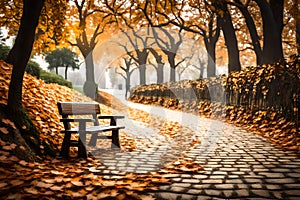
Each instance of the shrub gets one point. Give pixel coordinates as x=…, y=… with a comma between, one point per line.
x=49, y=77
x=4, y=50
x=34, y=69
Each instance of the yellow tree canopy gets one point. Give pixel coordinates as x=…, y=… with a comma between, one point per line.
x=51, y=30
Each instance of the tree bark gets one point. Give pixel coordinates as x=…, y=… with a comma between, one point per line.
x=142, y=60
x=272, y=28
x=160, y=73
x=142, y=72
x=171, y=59
x=252, y=30
x=225, y=21
x=211, y=58
x=160, y=66
x=298, y=35
x=89, y=62
x=277, y=10
x=66, y=72
x=127, y=84
x=296, y=15
x=21, y=51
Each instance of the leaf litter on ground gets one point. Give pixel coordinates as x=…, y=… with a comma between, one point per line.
x=56, y=178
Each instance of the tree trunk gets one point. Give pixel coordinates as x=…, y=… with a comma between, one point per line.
x=172, y=75
x=89, y=65
x=277, y=10
x=272, y=44
x=171, y=59
x=298, y=34
x=160, y=66
x=211, y=58
x=90, y=88
x=253, y=33
x=142, y=60
x=142, y=72
x=21, y=51
x=201, y=69
x=230, y=38
x=66, y=72
x=160, y=73
x=127, y=84
x=296, y=15
x=56, y=70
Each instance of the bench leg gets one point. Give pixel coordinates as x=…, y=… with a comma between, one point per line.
x=93, y=140
x=115, y=139
x=82, y=145
x=65, y=147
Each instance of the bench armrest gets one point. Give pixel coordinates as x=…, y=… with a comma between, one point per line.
x=111, y=117
x=77, y=120
x=113, y=121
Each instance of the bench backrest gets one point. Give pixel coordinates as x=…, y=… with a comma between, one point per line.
x=78, y=108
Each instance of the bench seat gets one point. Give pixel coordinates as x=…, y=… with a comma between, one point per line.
x=94, y=129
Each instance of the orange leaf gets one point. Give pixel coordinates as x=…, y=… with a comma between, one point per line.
x=23, y=163
x=3, y=185
x=4, y=130
x=77, y=183
x=8, y=122
x=16, y=182
x=31, y=190
x=56, y=188
x=38, y=118
x=43, y=185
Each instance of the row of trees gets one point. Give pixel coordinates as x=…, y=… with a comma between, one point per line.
x=257, y=24
x=80, y=23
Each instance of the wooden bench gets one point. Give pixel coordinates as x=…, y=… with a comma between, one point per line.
x=89, y=109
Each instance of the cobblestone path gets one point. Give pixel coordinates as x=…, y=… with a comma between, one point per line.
x=237, y=164
x=242, y=165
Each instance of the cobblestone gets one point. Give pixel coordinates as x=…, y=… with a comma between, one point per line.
x=280, y=180
x=233, y=181
x=213, y=192
x=224, y=186
x=242, y=193
x=262, y=193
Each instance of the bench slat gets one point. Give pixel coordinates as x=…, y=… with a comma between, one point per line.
x=78, y=108
x=94, y=129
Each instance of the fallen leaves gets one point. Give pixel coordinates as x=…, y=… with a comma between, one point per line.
x=182, y=165
x=9, y=147
x=65, y=179
x=22, y=182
